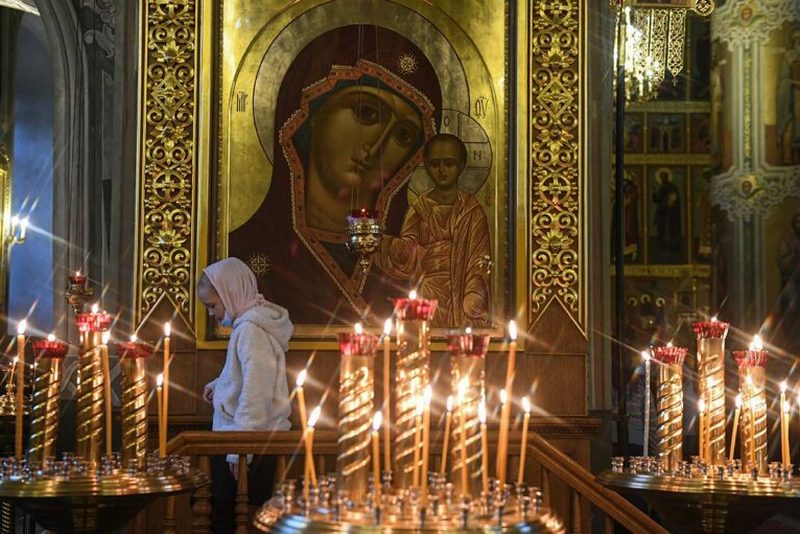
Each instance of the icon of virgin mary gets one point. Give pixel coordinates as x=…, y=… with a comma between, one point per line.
x=353, y=113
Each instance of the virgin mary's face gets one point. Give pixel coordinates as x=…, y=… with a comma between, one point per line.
x=360, y=136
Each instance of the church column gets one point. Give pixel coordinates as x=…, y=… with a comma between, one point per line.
x=756, y=137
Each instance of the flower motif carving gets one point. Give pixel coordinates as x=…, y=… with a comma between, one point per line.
x=556, y=213
x=166, y=224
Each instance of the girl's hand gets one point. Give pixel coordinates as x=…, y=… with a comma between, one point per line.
x=208, y=395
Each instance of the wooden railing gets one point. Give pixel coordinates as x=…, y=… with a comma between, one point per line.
x=567, y=487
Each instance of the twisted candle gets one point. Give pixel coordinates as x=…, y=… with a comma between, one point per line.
x=133, y=359
x=89, y=427
x=356, y=386
x=412, y=371
x=752, y=374
x=669, y=405
x=711, y=370
x=47, y=388
x=467, y=370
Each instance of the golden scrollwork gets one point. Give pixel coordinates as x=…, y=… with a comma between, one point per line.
x=555, y=158
x=167, y=159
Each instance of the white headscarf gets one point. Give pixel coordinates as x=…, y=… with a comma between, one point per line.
x=236, y=285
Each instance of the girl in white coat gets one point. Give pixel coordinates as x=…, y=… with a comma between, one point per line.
x=251, y=392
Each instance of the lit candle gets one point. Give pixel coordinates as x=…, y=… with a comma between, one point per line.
x=505, y=410
x=387, y=380
x=162, y=435
x=701, y=411
x=788, y=416
x=376, y=457
x=106, y=387
x=484, y=447
x=448, y=421
x=20, y=364
x=301, y=404
x=526, y=406
x=312, y=422
x=646, y=442
x=784, y=426
x=418, y=438
x=502, y=439
x=462, y=398
x=358, y=328
x=736, y=415
x=167, y=333
x=412, y=295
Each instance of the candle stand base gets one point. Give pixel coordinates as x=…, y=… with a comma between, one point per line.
x=710, y=503
x=72, y=501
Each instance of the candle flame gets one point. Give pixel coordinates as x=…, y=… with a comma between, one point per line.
x=701, y=405
x=482, y=412
x=167, y=329
x=377, y=421
x=387, y=327
x=51, y=337
x=428, y=395
x=503, y=396
x=669, y=344
x=783, y=386
x=358, y=328
x=468, y=330
x=301, y=378
x=160, y=380
x=314, y=417
x=412, y=295
x=512, y=330
x=714, y=319
x=95, y=307
x=756, y=344
x=739, y=400
x=134, y=339
x=21, y=327
x=16, y=360
x=78, y=272
x=106, y=337
x=749, y=380
x=526, y=404
x=450, y=402
x=646, y=355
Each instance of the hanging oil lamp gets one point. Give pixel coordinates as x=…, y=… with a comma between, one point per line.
x=363, y=235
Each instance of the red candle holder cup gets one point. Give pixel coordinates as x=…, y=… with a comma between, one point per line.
x=134, y=349
x=750, y=358
x=473, y=345
x=417, y=309
x=352, y=344
x=94, y=322
x=44, y=348
x=711, y=329
x=77, y=279
x=364, y=213
x=669, y=355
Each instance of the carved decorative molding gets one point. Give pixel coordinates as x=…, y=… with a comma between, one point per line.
x=167, y=167
x=557, y=269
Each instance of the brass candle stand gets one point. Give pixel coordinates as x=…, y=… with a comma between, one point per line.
x=356, y=389
x=669, y=404
x=752, y=383
x=413, y=376
x=711, y=381
x=46, y=391
x=87, y=492
x=467, y=378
